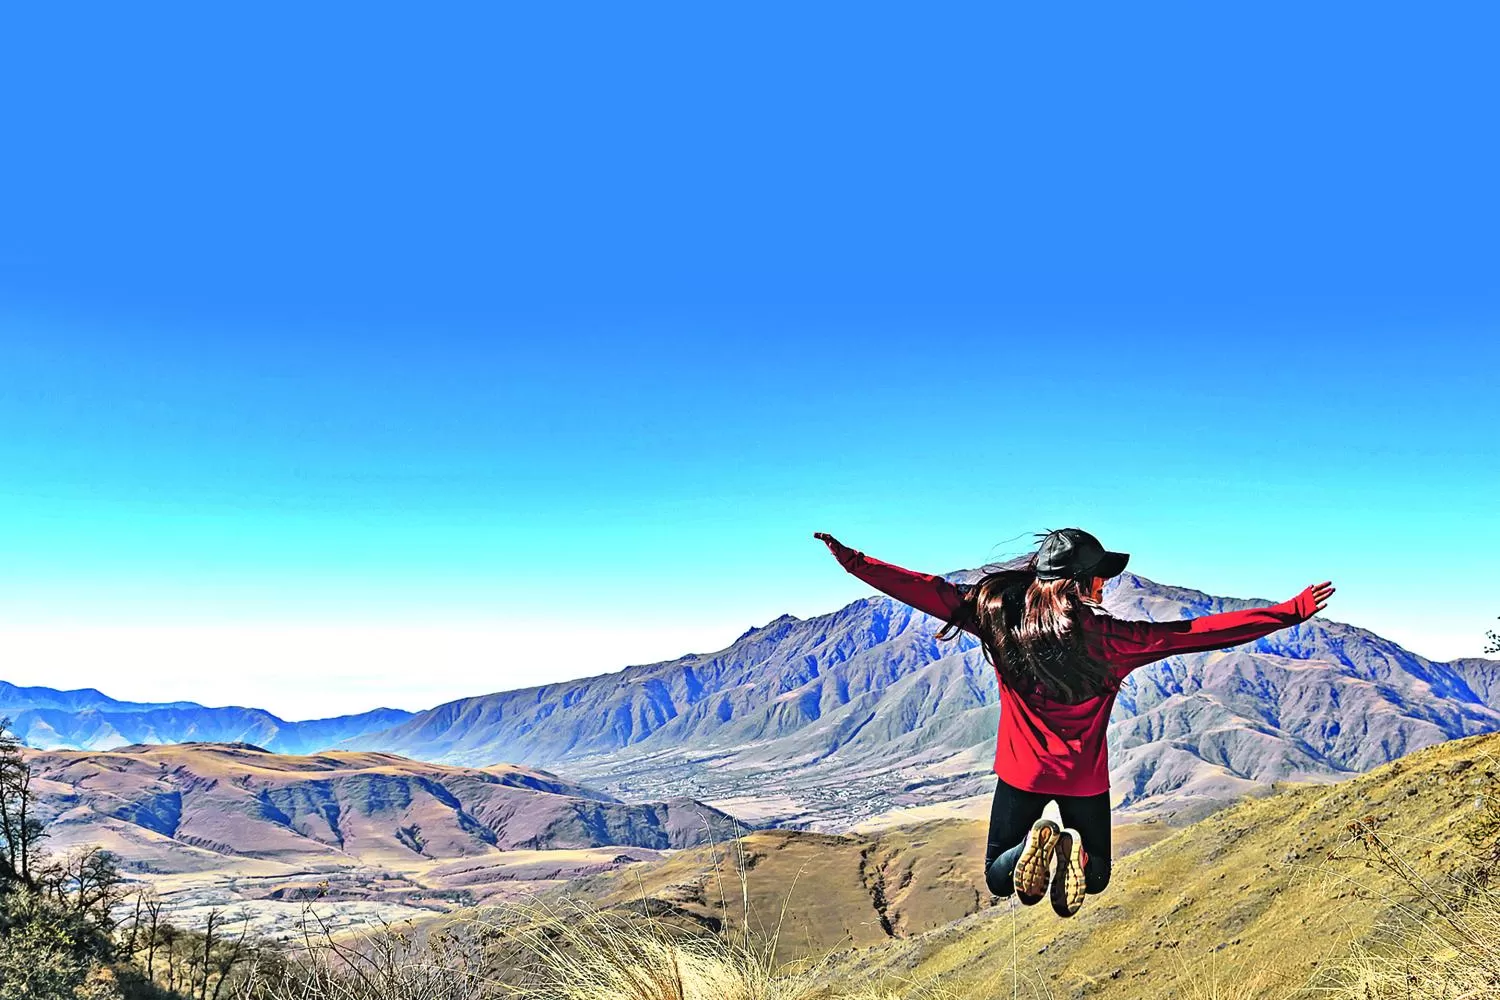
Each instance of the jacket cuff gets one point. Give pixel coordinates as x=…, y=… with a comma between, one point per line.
x=848, y=557
x=1300, y=607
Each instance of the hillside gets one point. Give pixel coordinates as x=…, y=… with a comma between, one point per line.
x=841, y=890
x=823, y=722
x=1273, y=888
x=189, y=807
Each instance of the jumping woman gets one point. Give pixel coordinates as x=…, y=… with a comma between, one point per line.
x=1059, y=659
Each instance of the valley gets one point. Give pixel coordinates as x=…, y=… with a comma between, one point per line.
x=367, y=835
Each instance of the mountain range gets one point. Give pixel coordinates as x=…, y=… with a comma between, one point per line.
x=823, y=722
x=828, y=721
x=86, y=719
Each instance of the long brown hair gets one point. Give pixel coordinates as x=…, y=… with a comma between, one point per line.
x=1030, y=633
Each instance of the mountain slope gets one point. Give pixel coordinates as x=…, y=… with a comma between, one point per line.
x=1273, y=891
x=837, y=717
x=240, y=800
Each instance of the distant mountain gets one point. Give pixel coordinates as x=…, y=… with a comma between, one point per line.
x=15, y=699
x=89, y=720
x=821, y=722
x=168, y=805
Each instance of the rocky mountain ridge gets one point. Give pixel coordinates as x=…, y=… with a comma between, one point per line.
x=824, y=721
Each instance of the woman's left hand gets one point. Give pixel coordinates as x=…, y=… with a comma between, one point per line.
x=1314, y=598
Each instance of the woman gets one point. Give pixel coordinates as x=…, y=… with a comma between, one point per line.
x=1059, y=659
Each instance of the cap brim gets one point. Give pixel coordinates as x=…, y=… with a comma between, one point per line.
x=1111, y=564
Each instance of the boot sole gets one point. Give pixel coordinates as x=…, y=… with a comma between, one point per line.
x=1034, y=867
x=1068, y=885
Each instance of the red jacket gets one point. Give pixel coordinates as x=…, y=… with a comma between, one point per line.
x=1059, y=749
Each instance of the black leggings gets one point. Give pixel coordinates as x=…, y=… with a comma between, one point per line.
x=1011, y=816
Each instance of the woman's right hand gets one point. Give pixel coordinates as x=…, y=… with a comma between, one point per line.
x=1314, y=598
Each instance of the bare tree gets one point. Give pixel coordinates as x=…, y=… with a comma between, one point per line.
x=91, y=882
x=20, y=831
x=215, y=918
x=229, y=957
x=129, y=943
x=169, y=935
x=153, y=934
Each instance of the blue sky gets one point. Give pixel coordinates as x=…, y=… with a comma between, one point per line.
x=359, y=356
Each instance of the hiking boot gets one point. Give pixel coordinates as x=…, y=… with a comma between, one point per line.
x=1067, y=884
x=1034, y=866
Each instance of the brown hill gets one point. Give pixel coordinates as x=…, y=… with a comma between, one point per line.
x=184, y=807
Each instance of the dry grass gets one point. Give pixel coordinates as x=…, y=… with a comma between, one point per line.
x=1215, y=980
x=1441, y=939
x=599, y=955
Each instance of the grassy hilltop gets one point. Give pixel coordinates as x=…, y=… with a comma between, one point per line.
x=1251, y=890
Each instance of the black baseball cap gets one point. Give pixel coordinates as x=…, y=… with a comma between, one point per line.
x=1073, y=552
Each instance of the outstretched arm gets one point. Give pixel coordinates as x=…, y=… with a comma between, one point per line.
x=923, y=591
x=1131, y=644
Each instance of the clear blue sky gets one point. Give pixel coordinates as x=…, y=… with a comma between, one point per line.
x=362, y=354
